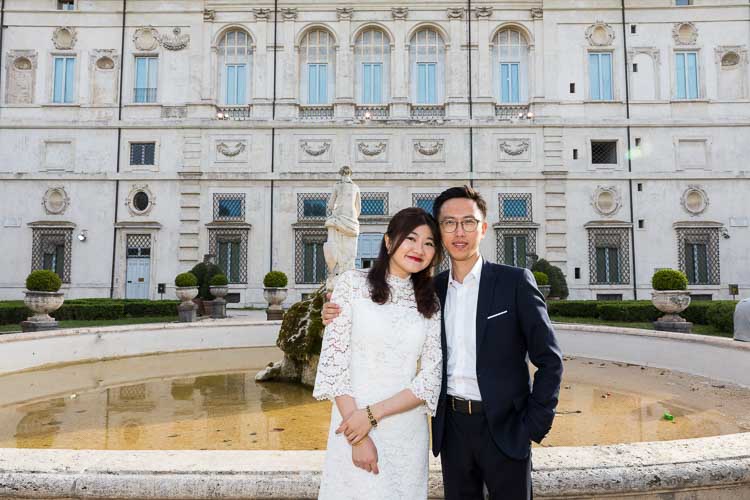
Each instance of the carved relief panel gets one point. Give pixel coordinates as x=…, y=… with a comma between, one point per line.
x=315, y=150
x=427, y=150
x=20, y=68
x=514, y=149
x=231, y=149
x=103, y=67
x=372, y=150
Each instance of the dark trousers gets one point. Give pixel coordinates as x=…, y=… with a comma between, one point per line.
x=470, y=458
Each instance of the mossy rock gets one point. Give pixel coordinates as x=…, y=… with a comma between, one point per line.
x=301, y=334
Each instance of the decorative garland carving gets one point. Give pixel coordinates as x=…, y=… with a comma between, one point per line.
x=209, y=15
x=400, y=13
x=600, y=34
x=289, y=13
x=64, y=37
x=146, y=38
x=375, y=150
x=230, y=151
x=685, y=33
x=485, y=12
x=428, y=150
x=344, y=13
x=305, y=146
x=515, y=150
x=455, y=12
x=175, y=41
x=262, y=14
x=537, y=13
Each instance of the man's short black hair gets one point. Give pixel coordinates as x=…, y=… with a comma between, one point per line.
x=459, y=192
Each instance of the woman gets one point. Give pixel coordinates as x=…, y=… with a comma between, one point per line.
x=389, y=321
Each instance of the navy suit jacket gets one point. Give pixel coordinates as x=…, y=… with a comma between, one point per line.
x=517, y=412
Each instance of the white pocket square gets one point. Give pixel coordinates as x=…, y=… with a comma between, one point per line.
x=498, y=314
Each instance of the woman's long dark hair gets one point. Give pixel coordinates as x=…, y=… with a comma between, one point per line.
x=401, y=225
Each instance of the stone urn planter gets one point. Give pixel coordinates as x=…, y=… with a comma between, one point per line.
x=219, y=304
x=41, y=304
x=670, y=302
x=187, y=307
x=275, y=297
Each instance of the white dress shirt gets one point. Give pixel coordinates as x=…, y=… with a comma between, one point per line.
x=461, y=333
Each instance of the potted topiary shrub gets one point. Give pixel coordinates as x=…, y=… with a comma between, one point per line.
x=274, y=292
x=204, y=271
x=219, y=288
x=42, y=296
x=557, y=283
x=671, y=297
x=542, y=282
x=187, y=290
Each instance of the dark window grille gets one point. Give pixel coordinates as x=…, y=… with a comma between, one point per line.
x=698, y=254
x=51, y=249
x=374, y=204
x=515, y=207
x=230, y=248
x=425, y=201
x=139, y=246
x=142, y=153
x=516, y=246
x=309, y=263
x=609, y=256
x=604, y=152
x=66, y=5
x=229, y=206
x=312, y=206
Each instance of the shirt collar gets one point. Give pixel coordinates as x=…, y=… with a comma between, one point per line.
x=475, y=273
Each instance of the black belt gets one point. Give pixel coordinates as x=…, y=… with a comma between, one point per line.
x=465, y=405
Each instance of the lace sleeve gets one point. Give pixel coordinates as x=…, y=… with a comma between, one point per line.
x=333, y=377
x=426, y=384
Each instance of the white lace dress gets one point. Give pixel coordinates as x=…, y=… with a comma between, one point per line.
x=371, y=352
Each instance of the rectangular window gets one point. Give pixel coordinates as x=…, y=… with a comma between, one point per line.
x=51, y=250
x=66, y=5
x=317, y=83
x=425, y=201
x=515, y=250
x=53, y=258
x=604, y=152
x=236, y=84
x=372, y=83
x=607, y=265
x=686, y=67
x=228, y=258
x=229, y=207
x=514, y=208
x=142, y=153
x=314, y=207
x=374, y=204
x=146, y=71
x=696, y=263
x=684, y=2
x=64, y=80
x=426, y=83
x=600, y=75
x=509, y=82
x=314, y=263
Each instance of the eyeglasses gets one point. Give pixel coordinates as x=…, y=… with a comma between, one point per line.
x=469, y=225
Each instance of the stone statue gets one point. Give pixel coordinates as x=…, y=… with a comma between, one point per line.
x=742, y=321
x=344, y=206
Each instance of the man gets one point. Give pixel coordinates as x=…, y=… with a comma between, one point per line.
x=493, y=318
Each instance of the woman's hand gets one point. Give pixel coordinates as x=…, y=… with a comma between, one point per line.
x=355, y=427
x=330, y=311
x=365, y=456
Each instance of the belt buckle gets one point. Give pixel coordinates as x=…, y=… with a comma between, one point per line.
x=470, y=407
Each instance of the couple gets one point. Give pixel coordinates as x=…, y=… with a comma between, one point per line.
x=470, y=329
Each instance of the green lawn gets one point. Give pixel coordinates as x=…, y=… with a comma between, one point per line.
x=699, y=329
x=100, y=322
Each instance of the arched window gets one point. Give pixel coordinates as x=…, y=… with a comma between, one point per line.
x=317, y=68
x=372, y=54
x=427, y=53
x=235, y=63
x=512, y=63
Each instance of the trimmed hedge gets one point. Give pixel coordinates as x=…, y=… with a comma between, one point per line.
x=718, y=313
x=13, y=312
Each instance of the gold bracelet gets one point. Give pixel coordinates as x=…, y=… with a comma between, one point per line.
x=373, y=422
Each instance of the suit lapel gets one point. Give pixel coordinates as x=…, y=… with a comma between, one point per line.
x=441, y=287
x=484, y=302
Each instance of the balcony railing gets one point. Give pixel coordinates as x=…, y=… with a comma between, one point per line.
x=372, y=112
x=515, y=111
x=144, y=95
x=427, y=111
x=243, y=112
x=316, y=112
